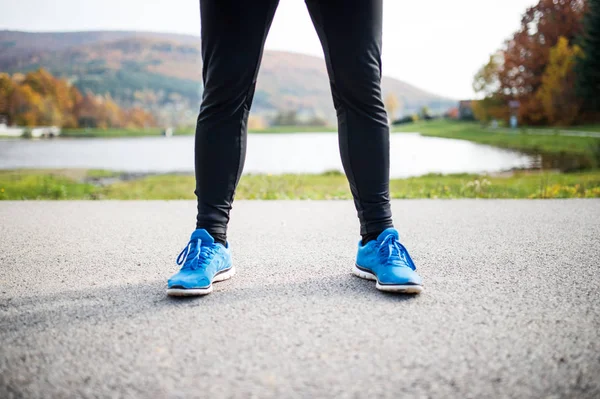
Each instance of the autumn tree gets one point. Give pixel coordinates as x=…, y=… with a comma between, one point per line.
x=72, y=120
x=6, y=88
x=490, y=108
x=25, y=106
x=111, y=114
x=391, y=106
x=256, y=122
x=38, y=98
x=557, y=94
x=138, y=118
x=588, y=65
x=527, y=53
x=58, y=97
x=87, y=111
x=99, y=112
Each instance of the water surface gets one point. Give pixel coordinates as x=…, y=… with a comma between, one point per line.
x=411, y=154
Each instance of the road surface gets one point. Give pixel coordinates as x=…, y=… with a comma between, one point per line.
x=511, y=306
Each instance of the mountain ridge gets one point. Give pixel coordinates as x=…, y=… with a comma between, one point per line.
x=162, y=72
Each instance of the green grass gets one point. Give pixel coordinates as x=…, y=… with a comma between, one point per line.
x=588, y=147
x=587, y=128
x=74, y=184
x=48, y=185
x=583, y=128
x=519, y=185
x=150, y=132
x=98, y=173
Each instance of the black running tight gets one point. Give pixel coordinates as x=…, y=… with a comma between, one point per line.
x=233, y=37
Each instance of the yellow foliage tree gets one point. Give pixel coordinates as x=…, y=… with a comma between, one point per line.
x=113, y=115
x=489, y=108
x=26, y=106
x=480, y=112
x=138, y=118
x=556, y=94
x=256, y=122
x=391, y=106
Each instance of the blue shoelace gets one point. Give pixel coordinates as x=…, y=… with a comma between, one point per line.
x=393, y=252
x=194, y=255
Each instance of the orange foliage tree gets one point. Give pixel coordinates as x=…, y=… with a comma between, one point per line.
x=39, y=98
x=25, y=106
x=6, y=88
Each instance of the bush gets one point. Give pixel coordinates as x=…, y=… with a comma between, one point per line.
x=402, y=121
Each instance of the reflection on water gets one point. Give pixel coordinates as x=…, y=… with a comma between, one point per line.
x=562, y=162
x=411, y=154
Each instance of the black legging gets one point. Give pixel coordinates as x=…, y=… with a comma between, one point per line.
x=233, y=37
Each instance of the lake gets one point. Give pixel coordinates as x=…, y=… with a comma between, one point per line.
x=411, y=154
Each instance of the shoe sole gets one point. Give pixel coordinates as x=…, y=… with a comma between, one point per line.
x=226, y=275
x=402, y=289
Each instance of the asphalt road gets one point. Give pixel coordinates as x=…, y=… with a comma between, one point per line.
x=511, y=306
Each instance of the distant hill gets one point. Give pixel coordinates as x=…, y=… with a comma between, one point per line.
x=162, y=73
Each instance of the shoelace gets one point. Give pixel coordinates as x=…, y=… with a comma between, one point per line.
x=202, y=254
x=391, y=250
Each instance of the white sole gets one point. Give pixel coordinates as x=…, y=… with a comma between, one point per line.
x=201, y=291
x=402, y=289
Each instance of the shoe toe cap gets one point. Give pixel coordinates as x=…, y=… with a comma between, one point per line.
x=400, y=276
x=188, y=281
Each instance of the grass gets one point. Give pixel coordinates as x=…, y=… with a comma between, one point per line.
x=588, y=147
x=151, y=132
x=51, y=185
x=583, y=128
x=519, y=185
x=75, y=184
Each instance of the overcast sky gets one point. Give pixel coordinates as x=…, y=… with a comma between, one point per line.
x=437, y=45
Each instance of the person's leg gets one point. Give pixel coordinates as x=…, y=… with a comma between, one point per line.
x=233, y=36
x=350, y=32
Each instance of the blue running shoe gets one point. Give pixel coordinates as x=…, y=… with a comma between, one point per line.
x=204, y=262
x=386, y=261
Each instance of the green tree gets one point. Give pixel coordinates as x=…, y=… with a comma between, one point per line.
x=588, y=65
x=487, y=80
x=286, y=118
x=487, y=83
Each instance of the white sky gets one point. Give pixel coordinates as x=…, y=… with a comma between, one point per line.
x=436, y=45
